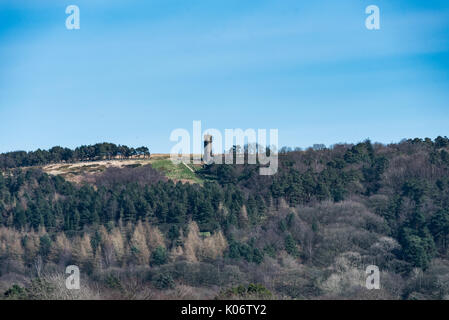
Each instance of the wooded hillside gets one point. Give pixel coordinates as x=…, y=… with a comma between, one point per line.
x=307, y=232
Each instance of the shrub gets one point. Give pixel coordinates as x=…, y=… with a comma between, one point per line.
x=256, y=291
x=164, y=281
x=159, y=256
x=16, y=292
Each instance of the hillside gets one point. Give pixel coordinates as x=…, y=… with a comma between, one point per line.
x=138, y=232
x=85, y=171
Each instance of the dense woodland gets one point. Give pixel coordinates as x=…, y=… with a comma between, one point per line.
x=307, y=232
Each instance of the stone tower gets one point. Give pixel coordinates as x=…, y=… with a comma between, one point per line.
x=207, y=158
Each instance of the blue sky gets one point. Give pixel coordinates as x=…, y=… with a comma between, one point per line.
x=136, y=70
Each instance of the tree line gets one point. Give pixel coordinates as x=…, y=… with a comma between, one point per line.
x=57, y=154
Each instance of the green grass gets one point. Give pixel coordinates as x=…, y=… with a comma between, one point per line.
x=205, y=234
x=162, y=164
x=177, y=172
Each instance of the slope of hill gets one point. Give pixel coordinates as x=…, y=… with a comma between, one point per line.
x=85, y=171
x=307, y=232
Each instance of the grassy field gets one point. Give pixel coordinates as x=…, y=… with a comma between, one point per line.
x=176, y=172
x=77, y=172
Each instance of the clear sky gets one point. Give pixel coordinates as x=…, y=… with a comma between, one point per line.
x=136, y=70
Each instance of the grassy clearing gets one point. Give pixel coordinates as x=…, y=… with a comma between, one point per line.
x=175, y=172
x=160, y=162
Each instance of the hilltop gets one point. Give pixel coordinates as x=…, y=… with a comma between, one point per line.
x=83, y=163
x=85, y=171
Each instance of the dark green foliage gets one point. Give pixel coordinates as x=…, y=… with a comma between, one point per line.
x=159, y=256
x=361, y=152
x=113, y=282
x=270, y=250
x=441, y=142
x=417, y=250
x=258, y=256
x=20, y=218
x=418, y=243
x=173, y=233
x=414, y=189
x=290, y=245
x=163, y=281
x=16, y=292
x=161, y=202
x=282, y=226
x=248, y=252
x=251, y=291
x=45, y=246
x=39, y=289
x=439, y=227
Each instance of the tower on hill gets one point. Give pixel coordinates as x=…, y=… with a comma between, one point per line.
x=207, y=158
